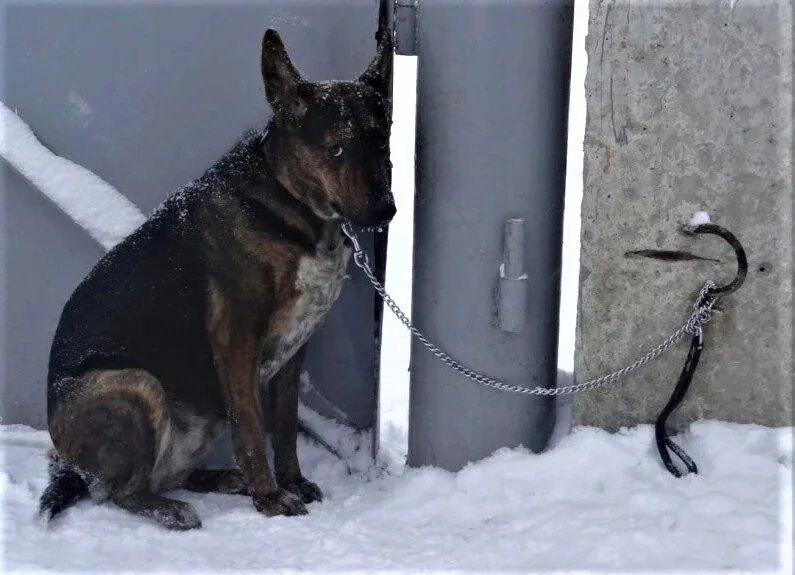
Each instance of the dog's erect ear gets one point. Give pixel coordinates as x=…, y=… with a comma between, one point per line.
x=280, y=76
x=379, y=72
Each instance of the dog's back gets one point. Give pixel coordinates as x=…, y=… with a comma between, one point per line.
x=131, y=365
x=141, y=307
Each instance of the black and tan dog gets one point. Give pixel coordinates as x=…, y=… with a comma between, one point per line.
x=168, y=339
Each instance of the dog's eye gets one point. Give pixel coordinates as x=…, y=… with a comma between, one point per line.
x=335, y=151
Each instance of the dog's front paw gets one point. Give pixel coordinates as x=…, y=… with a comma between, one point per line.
x=279, y=502
x=305, y=489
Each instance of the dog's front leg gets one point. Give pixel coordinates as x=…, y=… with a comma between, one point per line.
x=248, y=435
x=235, y=350
x=283, y=392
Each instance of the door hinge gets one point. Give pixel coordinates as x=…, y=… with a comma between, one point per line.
x=405, y=18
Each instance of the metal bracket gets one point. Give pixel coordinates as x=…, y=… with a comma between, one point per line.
x=405, y=19
x=512, y=290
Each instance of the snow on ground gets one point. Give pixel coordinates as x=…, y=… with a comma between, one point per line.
x=597, y=502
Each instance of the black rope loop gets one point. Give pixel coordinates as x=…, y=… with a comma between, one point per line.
x=665, y=444
x=708, y=298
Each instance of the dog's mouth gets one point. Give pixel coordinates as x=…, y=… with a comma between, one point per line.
x=380, y=217
x=385, y=222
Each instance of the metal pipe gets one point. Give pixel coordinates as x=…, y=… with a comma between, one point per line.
x=491, y=142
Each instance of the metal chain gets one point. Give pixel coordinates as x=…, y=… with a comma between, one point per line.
x=701, y=315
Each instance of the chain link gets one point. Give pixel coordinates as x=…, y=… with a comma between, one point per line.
x=701, y=315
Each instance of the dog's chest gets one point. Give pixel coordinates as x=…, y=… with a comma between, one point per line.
x=318, y=283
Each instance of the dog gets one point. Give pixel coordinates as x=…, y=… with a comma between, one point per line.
x=174, y=335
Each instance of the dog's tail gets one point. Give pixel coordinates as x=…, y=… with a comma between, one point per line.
x=66, y=488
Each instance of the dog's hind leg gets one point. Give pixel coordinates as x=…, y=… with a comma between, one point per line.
x=170, y=513
x=110, y=430
x=227, y=481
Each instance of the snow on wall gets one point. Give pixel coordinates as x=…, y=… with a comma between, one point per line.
x=90, y=201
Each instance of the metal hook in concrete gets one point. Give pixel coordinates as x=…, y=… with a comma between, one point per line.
x=714, y=229
x=739, y=253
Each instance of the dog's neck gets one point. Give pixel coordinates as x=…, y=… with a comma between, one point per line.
x=272, y=203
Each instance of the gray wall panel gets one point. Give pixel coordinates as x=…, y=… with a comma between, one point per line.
x=148, y=96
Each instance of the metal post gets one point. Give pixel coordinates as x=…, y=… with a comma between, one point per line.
x=491, y=141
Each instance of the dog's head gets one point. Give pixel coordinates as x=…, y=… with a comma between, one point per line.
x=332, y=138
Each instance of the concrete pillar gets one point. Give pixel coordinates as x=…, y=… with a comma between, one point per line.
x=689, y=108
x=491, y=139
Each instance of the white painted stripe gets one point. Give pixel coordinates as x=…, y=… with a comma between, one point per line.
x=90, y=201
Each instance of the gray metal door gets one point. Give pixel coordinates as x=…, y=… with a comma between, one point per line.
x=148, y=96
